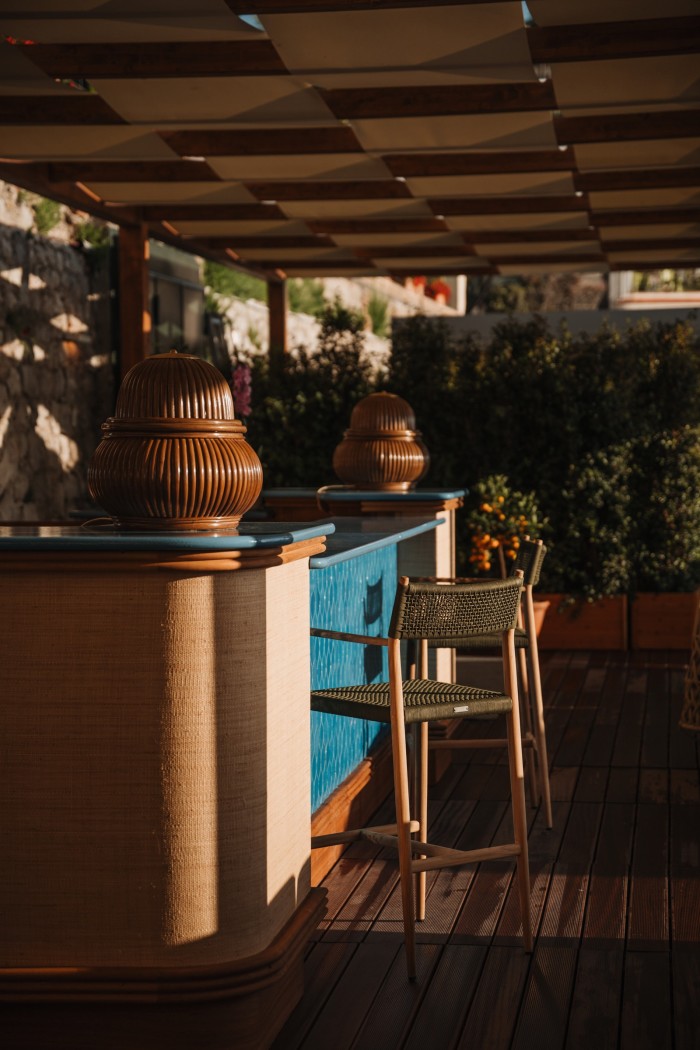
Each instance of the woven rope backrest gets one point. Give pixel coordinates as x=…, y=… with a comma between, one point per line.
x=529, y=560
x=433, y=610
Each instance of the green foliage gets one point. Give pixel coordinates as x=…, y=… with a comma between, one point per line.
x=94, y=234
x=665, y=510
x=305, y=296
x=378, y=313
x=224, y=285
x=298, y=418
x=47, y=214
x=601, y=428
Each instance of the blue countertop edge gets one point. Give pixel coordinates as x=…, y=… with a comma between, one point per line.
x=363, y=543
x=253, y=535
x=342, y=493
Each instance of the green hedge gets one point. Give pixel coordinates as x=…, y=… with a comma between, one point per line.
x=604, y=430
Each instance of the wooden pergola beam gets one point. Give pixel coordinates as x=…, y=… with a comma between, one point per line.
x=279, y=7
x=645, y=216
x=426, y=165
x=637, y=179
x=131, y=171
x=261, y=142
x=657, y=264
x=534, y=204
x=635, y=38
x=333, y=190
x=376, y=226
x=272, y=242
x=628, y=127
x=134, y=303
x=213, y=212
x=402, y=272
x=314, y=265
x=548, y=259
x=78, y=108
x=585, y=233
x=398, y=251
x=632, y=244
x=144, y=59
x=438, y=100
x=277, y=321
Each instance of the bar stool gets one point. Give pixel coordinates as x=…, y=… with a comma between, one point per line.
x=528, y=562
x=429, y=611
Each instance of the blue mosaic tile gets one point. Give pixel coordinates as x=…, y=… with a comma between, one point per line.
x=355, y=596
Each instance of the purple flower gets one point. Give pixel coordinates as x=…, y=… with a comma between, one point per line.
x=241, y=388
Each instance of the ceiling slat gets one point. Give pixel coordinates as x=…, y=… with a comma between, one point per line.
x=348, y=190
x=438, y=100
x=377, y=226
x=79, y=108
x=262, y=142
x=642, y=217
x=637, y=179
x=630, y=39
x=491, y=163
x=210, y=58
x=628, y=127
x=212, y=212
x=131, y=171
x=534, y=204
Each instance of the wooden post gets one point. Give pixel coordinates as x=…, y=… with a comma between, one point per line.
x=277, y=310
x=134, y=305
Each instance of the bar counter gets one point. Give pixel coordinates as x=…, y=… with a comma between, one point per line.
x=155, y=873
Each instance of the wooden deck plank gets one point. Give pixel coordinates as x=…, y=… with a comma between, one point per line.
x=444, y=1007
x=494, y=1009
x=646, y=1002
x=323, y=968
x=544, y=1014
x=648, y=922
x=595, y=1007
x=390, y=1017
x=615, y=892
x=654, y=752
x=686, y=996
x=564, y=908
x=628, y=739
x=606, y=911
x=685, y=877
x=351, y=998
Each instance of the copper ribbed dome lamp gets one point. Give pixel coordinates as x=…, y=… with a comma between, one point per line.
x=173, y=456
x=382, y=450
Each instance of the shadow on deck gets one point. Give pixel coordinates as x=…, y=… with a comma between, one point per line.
x=615, y=892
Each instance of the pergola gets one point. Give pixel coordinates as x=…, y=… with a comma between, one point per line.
x=362, y=137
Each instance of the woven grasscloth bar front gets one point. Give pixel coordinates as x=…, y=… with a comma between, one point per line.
x=155, y=818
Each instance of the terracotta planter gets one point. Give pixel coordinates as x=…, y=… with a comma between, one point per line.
x=662, y=621
x=584, y=625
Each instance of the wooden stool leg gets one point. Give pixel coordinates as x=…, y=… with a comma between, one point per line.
x=517, y=788
x=526, y=710
x=540, y=733
x=422, y=814
x=402, y=800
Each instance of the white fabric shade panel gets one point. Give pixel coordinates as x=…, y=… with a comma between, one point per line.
x=369, y=135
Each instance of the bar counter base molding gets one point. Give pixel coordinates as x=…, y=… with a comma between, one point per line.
x=236, y=1006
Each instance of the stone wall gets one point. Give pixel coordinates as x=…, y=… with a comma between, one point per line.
x=56, y=374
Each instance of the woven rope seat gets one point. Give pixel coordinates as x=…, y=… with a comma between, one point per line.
x=424, y=701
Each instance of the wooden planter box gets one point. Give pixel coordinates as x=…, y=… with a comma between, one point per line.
x=584, y=625
x=662, y=621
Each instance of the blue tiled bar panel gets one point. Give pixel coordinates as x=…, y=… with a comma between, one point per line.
x=357, y=596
